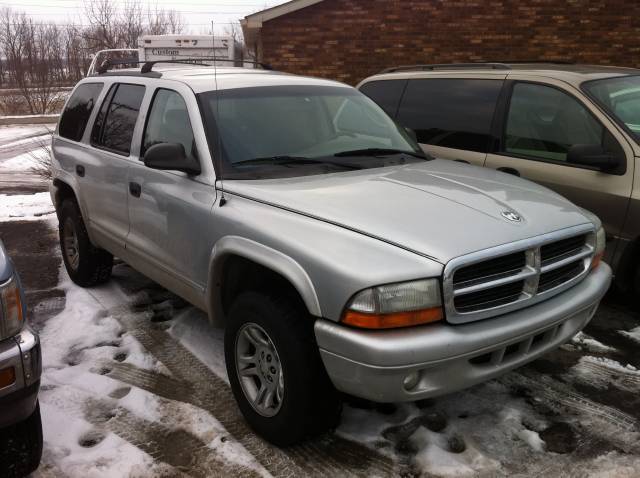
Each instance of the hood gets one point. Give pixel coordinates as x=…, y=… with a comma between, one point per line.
x=440, y=209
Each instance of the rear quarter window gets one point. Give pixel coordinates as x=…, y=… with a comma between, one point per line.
x=452, y=113
x=76, y=114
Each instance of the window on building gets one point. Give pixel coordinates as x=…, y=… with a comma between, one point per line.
x=168, y=122
x=79, y=107
x=386, y=93
x=453, y=113
x=113, y=129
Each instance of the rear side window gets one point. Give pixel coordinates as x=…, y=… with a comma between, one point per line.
x=113, y=129
x=386, y=93
x=76, y=114
x=453, y=113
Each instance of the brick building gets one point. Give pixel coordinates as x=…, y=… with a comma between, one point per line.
x=352, y=39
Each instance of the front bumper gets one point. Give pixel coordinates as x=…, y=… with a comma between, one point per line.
x=374, y=364
x=18, y=399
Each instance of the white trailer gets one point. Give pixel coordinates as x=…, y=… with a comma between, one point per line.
x=177, y=47
x=174, y=47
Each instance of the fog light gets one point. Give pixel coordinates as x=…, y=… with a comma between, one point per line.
x=7, y=377
x=411, y=380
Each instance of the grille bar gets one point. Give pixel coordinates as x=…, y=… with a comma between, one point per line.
x=504, y=278
x=524, y=273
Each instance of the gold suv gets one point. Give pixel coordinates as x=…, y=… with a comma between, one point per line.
x=572, y=128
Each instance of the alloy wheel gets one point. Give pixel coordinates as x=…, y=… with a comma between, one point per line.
x=259, y=369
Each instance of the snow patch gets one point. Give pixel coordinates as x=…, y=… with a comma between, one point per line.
x=589, y=343
x=193, y=330
x=633, y=334
x=29, y=207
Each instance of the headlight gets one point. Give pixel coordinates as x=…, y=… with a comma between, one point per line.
x=395, y=305
x=601, y=243
x=11, y=320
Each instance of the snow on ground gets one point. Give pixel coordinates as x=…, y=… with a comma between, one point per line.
x=25, y=207
x=589, y=343
x=633, y=334
x=77, y=395
x=26, y=161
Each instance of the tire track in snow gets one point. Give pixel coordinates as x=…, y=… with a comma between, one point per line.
x=621, y=377
x=329, y=455
x=560, y=397
x=177, y=448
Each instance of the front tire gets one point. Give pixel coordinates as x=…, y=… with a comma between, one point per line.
x=275, y=370
x=21, y=447
x=86, y=264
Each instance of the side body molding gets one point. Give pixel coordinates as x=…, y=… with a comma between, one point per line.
x=263, y=255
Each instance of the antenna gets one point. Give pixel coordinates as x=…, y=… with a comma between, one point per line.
x=218, y=150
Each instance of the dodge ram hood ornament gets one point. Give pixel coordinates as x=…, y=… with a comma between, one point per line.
x=511, y=216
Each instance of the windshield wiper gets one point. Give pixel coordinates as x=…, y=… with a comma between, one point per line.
x=291, y=160
x=378, y=152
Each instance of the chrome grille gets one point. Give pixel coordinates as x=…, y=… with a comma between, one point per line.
x=504, y=278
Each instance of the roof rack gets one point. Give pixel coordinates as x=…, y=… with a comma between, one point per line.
x=147, y=66
x=435, y=66
x=534, y=62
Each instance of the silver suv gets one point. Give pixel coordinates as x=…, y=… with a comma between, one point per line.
x=337, y=255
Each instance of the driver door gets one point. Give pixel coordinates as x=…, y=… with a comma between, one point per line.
x=170, y=233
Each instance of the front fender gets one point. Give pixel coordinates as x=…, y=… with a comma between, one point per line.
x=265, y=256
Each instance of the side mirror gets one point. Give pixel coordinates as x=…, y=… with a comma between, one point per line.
x=592, y=155
x=171, y=156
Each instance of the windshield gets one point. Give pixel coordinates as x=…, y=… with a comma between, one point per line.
x=300, y=130
x=621, y=98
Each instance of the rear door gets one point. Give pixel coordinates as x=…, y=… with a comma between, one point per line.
x=106, y=164
x=451, y=117
x=541, y=121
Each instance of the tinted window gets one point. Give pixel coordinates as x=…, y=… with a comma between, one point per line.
x=115, y=125
x=544, y=122
x=76, y=114
x=452, y=113
x=386, y=93
x=96, y=132
x=168, y=122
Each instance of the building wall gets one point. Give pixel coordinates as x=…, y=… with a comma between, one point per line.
x=349, y=40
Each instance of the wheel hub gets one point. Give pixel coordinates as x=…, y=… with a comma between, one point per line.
x=70, y=244
x=259, y=369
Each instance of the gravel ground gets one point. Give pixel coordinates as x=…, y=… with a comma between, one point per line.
x=134, y=385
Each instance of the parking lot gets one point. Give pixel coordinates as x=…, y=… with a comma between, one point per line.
x=134, y=384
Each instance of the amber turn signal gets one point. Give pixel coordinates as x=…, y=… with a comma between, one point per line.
x=392, y=320
x=595, y=262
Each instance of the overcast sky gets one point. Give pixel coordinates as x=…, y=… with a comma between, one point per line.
x=197, y=14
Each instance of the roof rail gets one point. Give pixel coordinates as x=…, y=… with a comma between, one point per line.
x=437, y=66
x=147, y=66
x=534, y=62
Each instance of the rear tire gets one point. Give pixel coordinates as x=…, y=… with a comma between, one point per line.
x=86, y=264
x=21, y=447
x=307, y=403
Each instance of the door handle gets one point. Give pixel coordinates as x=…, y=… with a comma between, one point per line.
x=513, y=171
x=80, y=170
x=135, y=189
x=462, y=161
